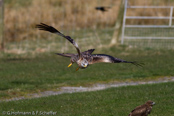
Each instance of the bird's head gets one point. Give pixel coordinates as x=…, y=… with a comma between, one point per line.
x=150, y=103
x=83, y=63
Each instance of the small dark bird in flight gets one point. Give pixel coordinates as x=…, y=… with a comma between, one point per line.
x=102, y=8
x=143, y=110
x=83, y=59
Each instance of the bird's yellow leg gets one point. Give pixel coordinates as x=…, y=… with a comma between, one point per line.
x=69, y=65
x=77, y=69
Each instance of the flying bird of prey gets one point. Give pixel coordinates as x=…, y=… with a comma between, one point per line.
x=102, y=8
x=142, y=110
x=83, y=59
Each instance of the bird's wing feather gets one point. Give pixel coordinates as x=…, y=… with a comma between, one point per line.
x=97, y=58
x=140, y=110
x=51, y=29
x=90, y=51
x=65, y=54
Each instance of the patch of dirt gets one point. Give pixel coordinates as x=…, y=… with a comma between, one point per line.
x=95, y=87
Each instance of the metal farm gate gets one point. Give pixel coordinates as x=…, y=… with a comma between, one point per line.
x=148, y=25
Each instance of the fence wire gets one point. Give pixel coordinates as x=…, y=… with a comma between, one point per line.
x=148, y=24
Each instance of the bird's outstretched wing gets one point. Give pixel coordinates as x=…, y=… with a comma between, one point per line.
x=102, y=8
x=97, y=58
x=51, y=29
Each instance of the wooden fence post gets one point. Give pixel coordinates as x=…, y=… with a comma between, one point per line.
x=118, y=24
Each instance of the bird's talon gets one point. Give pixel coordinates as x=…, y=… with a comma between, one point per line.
x=77, y=69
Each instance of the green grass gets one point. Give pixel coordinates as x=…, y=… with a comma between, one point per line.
x=21, y=75
x=110, y=102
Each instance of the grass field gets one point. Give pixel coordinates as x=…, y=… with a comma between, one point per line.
x=21, y=75
x=29, y=65
x=110, y=102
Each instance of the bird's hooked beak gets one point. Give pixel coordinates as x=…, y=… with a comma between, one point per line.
x=85, y=65
x=153, y=103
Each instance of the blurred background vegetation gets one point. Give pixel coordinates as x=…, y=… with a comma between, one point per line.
x=22, y=16
x=79, y=19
